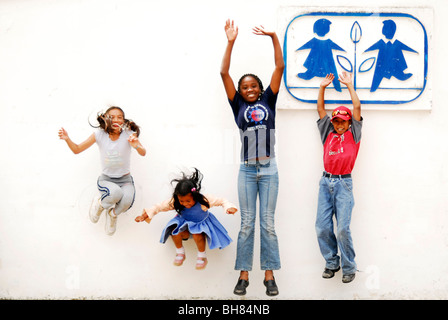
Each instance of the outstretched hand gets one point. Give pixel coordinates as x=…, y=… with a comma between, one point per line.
x=327, y=80
x=133, y=140
x=231, y=30
x=261, y=31
x=142, y=217
x=63, y=135
x=346, y=78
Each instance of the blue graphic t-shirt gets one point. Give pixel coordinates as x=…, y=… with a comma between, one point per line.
x=256, y=122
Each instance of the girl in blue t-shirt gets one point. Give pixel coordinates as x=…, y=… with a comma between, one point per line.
x=254, y=112
x=116, y=136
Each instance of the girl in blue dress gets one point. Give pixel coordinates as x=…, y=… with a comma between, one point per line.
x=192, y=219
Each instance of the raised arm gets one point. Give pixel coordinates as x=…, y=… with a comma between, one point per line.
x=321, y=97
x=231, y=33
x=76, y=148
x=278, y=58
x=347, y=79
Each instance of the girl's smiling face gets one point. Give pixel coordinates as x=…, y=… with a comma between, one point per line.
x=340, y=126
x=250, y=89
x=187, y=201
x=116, y=118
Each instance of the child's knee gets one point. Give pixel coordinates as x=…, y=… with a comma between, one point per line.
x=113, y=195
x=323, y=232
x=247, y=220
x=199, y=237
x=127, y=202
x=343, y=234
x=185, y=235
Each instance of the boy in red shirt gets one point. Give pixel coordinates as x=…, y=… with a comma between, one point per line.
x=341, y=136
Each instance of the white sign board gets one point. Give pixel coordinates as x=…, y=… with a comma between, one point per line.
x=387, y=52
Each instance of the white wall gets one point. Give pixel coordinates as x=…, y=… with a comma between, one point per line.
x=63, y=61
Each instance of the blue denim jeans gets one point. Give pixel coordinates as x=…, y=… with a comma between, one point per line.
x=258, y=180
x=336, y=198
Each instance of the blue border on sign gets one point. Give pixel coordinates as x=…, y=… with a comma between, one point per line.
x=358, y=14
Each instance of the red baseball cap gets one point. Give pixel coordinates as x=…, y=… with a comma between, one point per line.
x=341, y=112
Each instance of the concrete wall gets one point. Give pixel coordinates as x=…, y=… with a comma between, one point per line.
x=63, y=61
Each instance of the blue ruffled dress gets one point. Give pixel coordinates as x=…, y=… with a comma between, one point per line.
x=197, y=221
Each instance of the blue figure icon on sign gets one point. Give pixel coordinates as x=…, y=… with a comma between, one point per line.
x=390, y=60
x=320, y=61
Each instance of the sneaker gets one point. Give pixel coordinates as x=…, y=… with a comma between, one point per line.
x=271, y=287
x=346, y=278
x=111, y=222
x=329, y=273
x=95, y=210
x=240, y=288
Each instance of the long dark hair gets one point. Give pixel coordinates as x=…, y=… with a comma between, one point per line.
x=189, y=184
x=105, y=122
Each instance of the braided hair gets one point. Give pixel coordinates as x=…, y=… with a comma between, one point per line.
x=189, y=184
x=253, y=76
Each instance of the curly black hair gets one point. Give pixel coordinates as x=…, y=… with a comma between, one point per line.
x=189, y=184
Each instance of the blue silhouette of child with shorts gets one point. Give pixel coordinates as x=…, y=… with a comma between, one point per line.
x=390, y=61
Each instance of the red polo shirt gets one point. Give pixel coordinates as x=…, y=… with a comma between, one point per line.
x=340, y=150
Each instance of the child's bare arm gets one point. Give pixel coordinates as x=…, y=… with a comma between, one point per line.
x=278, y=57
x=136, y=144
x=231, y=33
x=321, y=97
x=76, y=148
x=346, y=78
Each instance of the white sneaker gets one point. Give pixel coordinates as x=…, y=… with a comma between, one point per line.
x=111, y=222
x=95, y=210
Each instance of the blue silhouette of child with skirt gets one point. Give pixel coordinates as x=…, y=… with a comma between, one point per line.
x=320, y=60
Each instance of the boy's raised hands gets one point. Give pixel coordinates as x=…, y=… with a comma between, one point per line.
x=327, y=80
x=346, y=78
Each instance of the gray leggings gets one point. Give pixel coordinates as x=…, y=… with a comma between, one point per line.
x=116, y=192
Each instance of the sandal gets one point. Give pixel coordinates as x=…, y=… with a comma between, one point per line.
x=179, y=260
x=201, y=263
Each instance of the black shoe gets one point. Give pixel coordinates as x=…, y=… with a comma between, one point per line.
x=346, y=278
x=329, y=273
x=240, y=288
x=271, y=287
